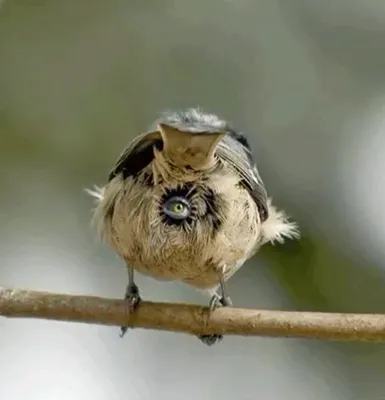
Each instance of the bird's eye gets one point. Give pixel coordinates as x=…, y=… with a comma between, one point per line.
x=177, y=207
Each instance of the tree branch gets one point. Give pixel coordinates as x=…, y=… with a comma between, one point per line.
x=191, y=319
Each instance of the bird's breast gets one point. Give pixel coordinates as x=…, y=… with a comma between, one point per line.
x=201, y=274
x=225, y=231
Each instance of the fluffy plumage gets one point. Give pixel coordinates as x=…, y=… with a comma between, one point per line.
x=198, y=157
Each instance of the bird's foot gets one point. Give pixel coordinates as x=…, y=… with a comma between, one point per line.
x=132, y=297
x=210, y=340
x=219, y=301
x=216, y=301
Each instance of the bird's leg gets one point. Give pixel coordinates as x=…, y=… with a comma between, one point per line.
x=217, y=300
x=132, y=296
x=224, y=299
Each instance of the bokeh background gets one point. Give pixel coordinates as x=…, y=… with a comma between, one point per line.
x=304, y=78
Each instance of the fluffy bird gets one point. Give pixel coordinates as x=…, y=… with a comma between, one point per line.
x=185, y=202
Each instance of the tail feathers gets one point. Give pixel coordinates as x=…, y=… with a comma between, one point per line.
x=277, y=227
x=96, y=192
x=103, y=211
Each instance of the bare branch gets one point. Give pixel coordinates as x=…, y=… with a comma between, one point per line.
x=192, y=319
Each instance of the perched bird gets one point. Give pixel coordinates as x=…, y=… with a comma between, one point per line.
x=185, y=202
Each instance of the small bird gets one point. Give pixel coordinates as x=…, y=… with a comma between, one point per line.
x=185, y=202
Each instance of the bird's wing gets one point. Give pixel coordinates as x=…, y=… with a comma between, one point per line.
x=238, y=157
x=137, y=155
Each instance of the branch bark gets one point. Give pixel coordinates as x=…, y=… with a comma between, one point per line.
x=191, y=319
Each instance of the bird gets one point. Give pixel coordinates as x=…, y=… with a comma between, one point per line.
x=185, y=202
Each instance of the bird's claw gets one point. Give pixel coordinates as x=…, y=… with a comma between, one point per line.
x=209, y=340
x=216, y=301
x=132, y=297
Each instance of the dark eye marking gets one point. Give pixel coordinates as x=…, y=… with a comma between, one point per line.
x=185, y=192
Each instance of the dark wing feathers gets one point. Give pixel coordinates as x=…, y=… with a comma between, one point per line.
x=137, y=155
x=240, y=158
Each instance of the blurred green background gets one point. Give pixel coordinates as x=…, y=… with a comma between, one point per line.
x=304, y=78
